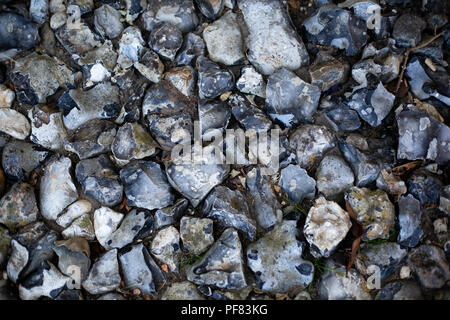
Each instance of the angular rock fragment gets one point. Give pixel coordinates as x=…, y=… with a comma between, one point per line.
x=212, y=79
x=310, y=143
x=336, y=284
x=166, y=39
x=170, y=215
x=14, y=123
x=20, y=34
x=251, y=82
x=430, y=266
x=180, y=13
x=99, y=180
x=132, y=142
x=229, y=208
x=196, y=234
x=388, y=256
x=39, y=252
x=80, y=227
x=334, y=177
x=100, y=102
x=17, y=261
x=7, y=96
x=222, y=266
x=366, y=171
x=107, y=21
x=343, y=118
x=106, y=222
x=47, y=129
x=290, y=100
x=166, y=247
x=150, y=66
x=264, y=203
x=71, y=259
x=20, y=158
x=93, y=138
x=184, y=290
x=399, y=290
x=84, y=5
x=422, y=137
x=332, y=26
x=374, y=211
x=104, y=275
x=327, y=72
x=424, y=187
x=79, y=40
x=224, y=40
x=213, y=117
x=47, y=281
x=211, y=9
x=325, y=227
x=39, y=11
x=407, y=30
x=135, y=268
x=193, y=46
x=409, y=218
x=296, y=182
x=146, y=186
x=272, y=41
x=248, y=115
x=276, y=260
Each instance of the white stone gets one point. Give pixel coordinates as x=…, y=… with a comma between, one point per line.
x=106, y=221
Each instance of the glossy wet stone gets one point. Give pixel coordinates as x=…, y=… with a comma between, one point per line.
x=99, y=180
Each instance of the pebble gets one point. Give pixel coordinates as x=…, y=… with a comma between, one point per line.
x=196, y=234
x=47, y=129
x=165, y=246
x=106, y=222
x=170, y=215
x=193, y=47
x=334, y=177
x=80, y=227
x=249, y=116
x=150, y=66
x=7, y=96
x=251, y=82
x=104, y=275
x=14, y=124
x=212, y=79
x=20, y=34
x=399, y=290
x=107, y=21
x=166, y=39
x=296, y=182
x=183, y=78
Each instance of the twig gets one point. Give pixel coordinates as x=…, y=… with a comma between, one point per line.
x=408, y=51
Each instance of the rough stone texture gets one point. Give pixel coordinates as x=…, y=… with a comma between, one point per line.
x=272, y=42
x=374, y=211
x=251, y=82
x=47, y=129
x=166, y=247
x=296, y=182
x=276, y=260
x=409, y=219
x=14, y=123
x=106, y=222
x=400, y=291
x=222, y=265
x=104, y=275
x=184, y=290
x=170, y=215
x=21, y=33
x=325, y=227
x=212, y=79
x=181, y=13
x=196, y=234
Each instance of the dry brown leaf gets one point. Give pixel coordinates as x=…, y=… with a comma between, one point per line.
x=124, y=205
x=357, y=231
x=165, y=268
x=404, y=168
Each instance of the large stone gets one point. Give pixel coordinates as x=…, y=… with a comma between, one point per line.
x=212, y=79
x=196, y=234
x=276, y=260
x=296, y=182
x=20, y=34
x=272, y=41
x=165, y=247
x=222, y=265
x=104, y=275
x=334, y=177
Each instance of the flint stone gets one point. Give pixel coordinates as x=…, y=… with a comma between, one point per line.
x=212, y=79
x=399, y=290
x=180, y=13
x=193, y=46
x=290, y=100
x=408, y=30
x=17, y=261
x=80, y=227
x=248, y=115
x=222, y=265
x=276, y=260
x=100, y=102
x=104, y=275
x=229, y=208
x=170, y=215
x=99, y=180
x=20, y=158
x=389, y=257
x=106, y=222
x=424, y=187
x=373, y=210
x=272, y=41
x=183, y=78
x=107, y=21
x=184, y=290
x=430, y=266
x=264, y=202
x=39, y=10
x=310, y=143
x=325, y=227
x=409, y=219
x=7, y=96
x=47, y=281
x=93, y=138
x=332, y=26
x=213, y=115
x=422, y=137
x=196, y=234
x=20, y=33
x=251, y=82
x=78, y=40
x=146, y=186
x=136, y=270
x=47, y=129
x=224, y=40
x=131, y=46
x=334, y=177
x=150, y=66
x=39, y=252
x=69, y=260
x=166, y=247
x=14, y=123
x=296, y=182
x=166, y=39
